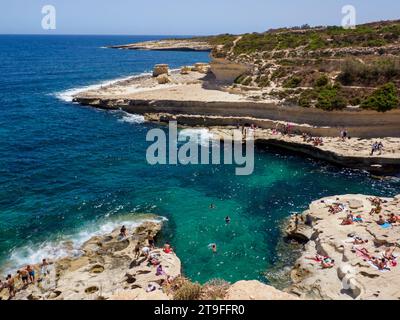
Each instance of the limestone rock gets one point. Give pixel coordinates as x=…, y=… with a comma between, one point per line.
x=352, y=276
x=355, y=204
x=186, y=69
x=226, y=71
x=163, y=79
x=160, y=69
x=255, y=290
x=107, y=269
x=201, y=67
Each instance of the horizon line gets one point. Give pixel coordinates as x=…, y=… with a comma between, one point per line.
x=105, y=34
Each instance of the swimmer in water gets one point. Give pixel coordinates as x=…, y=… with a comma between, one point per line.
x=227, y=220
x=212, y=206
x=213, y=247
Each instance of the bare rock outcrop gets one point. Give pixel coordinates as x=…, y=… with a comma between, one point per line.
x=107, y=268
x=167, y=45
x=160, y=69
x=226, y=71
x=163, y=79
x=349, y=252
x=255, y=290
x=201, y=67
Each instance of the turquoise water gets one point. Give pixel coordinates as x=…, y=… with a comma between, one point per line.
x=67, y=171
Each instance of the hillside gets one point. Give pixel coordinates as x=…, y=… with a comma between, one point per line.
x=324, y=67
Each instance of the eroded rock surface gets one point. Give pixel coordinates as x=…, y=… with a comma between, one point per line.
x=354, y=275
x=106, y=269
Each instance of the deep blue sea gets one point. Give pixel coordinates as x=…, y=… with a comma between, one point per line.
x=68, y=172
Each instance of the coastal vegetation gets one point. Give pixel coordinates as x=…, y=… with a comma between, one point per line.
x=329, y=68
x=368, y=35
x=383, y=99
x=182, y=288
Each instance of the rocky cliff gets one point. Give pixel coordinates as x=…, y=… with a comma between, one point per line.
x=353, y=268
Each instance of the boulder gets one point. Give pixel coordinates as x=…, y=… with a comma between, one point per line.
x=186, y=69
x=201, y=67
x=160, y=69
x=163, y=79
x=355, y=204
x=226, y=71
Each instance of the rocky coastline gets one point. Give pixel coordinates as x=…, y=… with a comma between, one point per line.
x=354, y=269
x=339, y=261
x=193, y=97
x=167, y=45
x=109, y=268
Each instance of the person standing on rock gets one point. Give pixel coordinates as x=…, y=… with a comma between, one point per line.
x=11, y=286
x=24, y=276
x=122, y=232
x=44, y=271
x=150, y=240
x=31, y=273
x=343, y=134
x=137, y=251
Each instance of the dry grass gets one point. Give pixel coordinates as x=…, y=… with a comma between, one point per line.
x=215, y=290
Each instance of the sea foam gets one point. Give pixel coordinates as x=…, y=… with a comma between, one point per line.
x=67, y=245
x=67, y=95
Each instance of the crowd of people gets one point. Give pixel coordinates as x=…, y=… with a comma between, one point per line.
x=27, y=276
x=382, y=262
x=387, y=259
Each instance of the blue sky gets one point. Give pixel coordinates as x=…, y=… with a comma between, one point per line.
x=173, y=17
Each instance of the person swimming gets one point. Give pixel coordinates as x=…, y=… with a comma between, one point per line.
x=227, y=220
x=213, y=247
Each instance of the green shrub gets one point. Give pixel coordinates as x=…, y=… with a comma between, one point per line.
x=292, y=82
x=322, y=81
x=306, y=98
x=247, y=81
x=304, y=102
x=330, y=98
x=384, y=69
x=240, y=79
x=356, y=101
x=243, y=79
x=383, y=99
x=263, y=81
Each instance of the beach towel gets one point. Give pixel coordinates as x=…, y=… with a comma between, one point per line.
x=361, y=254
x=386, y=225
x=375, y=267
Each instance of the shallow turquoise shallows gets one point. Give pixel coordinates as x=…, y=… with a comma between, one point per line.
x=67, y=172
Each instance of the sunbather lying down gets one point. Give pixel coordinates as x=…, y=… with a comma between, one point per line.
x=335, y=208
x=382, y=263
x=325, y=261
x=356, y=240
